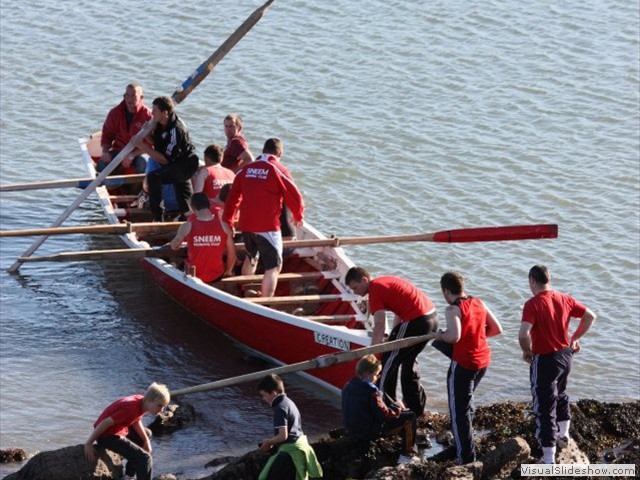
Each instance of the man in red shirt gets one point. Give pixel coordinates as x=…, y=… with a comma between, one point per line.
x=469, y=323
x=415, y=315
x=111, y=430
x=259, y=190
x=213, y=176
x=123, y=122
x=544, y=339
x=208, y=241
x=236, y=152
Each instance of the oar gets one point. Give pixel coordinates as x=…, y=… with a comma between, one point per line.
x=322, y=361
x=463, y=235
x=112, y=181
x=119, y=229
x=178, y=96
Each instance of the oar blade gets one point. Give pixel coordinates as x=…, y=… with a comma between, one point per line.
x=497, y=234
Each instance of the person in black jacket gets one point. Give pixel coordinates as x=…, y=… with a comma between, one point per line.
x=174, y=151
x=366, y=416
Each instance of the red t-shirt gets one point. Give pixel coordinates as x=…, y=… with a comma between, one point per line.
x=259, y=190
x=549, y=312
x=398, y=296
x=217, y=177
x=472, y=350
x=125, y=412
x=206, y=243
x=232, y=151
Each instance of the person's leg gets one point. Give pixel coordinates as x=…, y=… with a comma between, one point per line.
x=135, y=438
x=270, y=281
x=139, y=164
x=135, y=455
x=282, y=468
x=154, y=184
x=544, y=374
x=405, y=425
x=563, y=411
x=460, y=392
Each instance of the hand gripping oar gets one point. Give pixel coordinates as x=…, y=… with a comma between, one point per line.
x=322, y=361
x=178, y=96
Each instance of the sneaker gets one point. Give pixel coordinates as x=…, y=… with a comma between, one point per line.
x=562, y=443
x=406, y=459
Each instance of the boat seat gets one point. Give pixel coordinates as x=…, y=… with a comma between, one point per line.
x=332, y=297
x=282, y=276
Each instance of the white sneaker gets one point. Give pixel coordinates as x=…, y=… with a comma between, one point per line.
x=406, y=459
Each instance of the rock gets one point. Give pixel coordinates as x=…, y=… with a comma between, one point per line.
x=172, y=418
x=571, y=454
x=12, y=455
x=166, y=476
x=445, y=438
x=470, y=471
x=216, y=462
x=505, y=458
x=69, y=464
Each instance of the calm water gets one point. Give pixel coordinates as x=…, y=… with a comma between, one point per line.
x=396, y=118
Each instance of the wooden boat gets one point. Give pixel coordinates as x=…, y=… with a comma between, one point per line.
x=313, y=313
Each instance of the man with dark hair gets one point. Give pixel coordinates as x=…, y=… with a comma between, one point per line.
x=260, y=189
x=546, y=345
x=208, y=241
x=173, y=150
x=469, y=324
x=213, y=176
x=295, y=458
x=122, y=123
x=415, y=315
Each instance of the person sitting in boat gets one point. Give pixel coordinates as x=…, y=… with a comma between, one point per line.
x=259, y=189
x=213, y=175
x=365, y=415
x=210, y=247
x=174, y=151
x=415, y=315
x=236, y=152
x=122, y=123
x=119, y=429
x=294, y=457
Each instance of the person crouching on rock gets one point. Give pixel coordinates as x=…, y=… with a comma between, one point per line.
x=295, y=458
x=367, y=417
x=112, y=430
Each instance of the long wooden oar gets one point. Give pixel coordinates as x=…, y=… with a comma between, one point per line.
x=112, y=181
x=463, y=235
x=119, y=229
x=178, y=96
x=322, y=361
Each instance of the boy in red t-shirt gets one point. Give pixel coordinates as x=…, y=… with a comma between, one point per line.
x=111, y=430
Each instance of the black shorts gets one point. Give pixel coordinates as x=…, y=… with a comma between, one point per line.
x=257, y=245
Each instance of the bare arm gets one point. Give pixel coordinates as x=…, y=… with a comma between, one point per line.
x=199, y=179
x=283, y=433
x=230, y=247
x=183, y=231
x=454, y=326
x=585, y=324
x=493, y=325
x=142, y=433
x=379, y=327
x=244, y=158
x=524, y=337
x=89, y=451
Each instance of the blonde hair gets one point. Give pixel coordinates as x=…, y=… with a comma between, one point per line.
x=157, y=393
x=368, y=364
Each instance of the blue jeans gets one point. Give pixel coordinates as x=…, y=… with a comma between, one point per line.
x=139, y=164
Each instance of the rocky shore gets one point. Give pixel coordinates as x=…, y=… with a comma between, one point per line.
x=601, y=433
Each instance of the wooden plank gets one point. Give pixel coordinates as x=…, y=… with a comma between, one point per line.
x=282, y=276
x=302, y=299
x=328, y=318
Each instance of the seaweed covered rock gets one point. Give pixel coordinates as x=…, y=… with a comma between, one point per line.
x=69, y=464
x=172, y=418
x=12, y=455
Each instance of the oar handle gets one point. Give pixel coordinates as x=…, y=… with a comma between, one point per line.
x=322, y=361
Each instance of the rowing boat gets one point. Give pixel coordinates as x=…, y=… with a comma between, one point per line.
x=312, y=314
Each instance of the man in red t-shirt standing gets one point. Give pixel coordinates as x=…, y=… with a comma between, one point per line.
x=415, y=315
x=469, y=324
x=544, y=339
